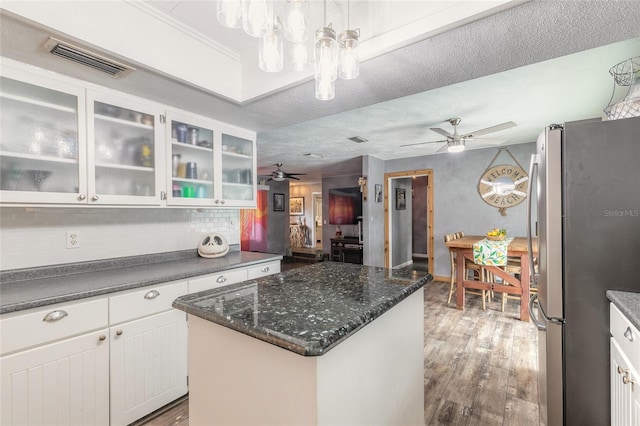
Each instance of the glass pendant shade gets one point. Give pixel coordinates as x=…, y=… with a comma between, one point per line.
x=349, y=60
x=270, y=48
x=325, y=89
x=255, y=16
x=299, y=56
x=230, y=13
x=325, y=56
x=296, y=21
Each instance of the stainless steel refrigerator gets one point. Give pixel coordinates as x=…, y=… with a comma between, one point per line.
x=587, y=176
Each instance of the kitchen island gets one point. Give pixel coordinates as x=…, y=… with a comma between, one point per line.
x=330, y=343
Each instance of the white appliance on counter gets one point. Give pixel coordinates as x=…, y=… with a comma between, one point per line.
x=587, y=174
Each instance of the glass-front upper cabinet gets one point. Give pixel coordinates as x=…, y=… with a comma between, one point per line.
x=42, y=140
x=124, y=153
x=238, y=165
x=190, y=159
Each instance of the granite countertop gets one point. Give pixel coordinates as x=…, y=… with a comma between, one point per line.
x=35, y=287
x=306, y=310
x=628, y=303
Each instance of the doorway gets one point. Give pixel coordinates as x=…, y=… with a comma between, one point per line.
x=316, y=211
x=398, y=190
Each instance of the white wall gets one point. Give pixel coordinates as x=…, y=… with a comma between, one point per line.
x=34, y=237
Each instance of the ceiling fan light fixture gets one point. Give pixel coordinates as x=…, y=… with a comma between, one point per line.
x=456, y=146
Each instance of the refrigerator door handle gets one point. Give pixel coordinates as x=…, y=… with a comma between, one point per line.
x=533, y=167
x=534, y=319
x=552, y=320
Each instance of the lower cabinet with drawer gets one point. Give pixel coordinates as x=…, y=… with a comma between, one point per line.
x=55, y=365
x=148, y=351
x=625, y=368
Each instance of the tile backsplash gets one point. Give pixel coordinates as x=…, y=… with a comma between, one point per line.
x=34, y=237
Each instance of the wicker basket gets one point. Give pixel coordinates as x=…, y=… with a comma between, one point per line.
x=496, y=237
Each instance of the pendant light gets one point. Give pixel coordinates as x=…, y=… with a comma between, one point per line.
x=255, y=16
x=270, y=48
x=349, y=60
x=299, y=55
x=296, y=21
x=325, y=60
x=230, y=13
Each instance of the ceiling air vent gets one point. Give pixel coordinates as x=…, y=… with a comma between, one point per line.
x=358, y=139
x=86, y=58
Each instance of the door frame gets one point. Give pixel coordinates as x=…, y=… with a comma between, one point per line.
x=388, y=211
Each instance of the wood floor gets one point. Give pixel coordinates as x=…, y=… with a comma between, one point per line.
x=480, y=366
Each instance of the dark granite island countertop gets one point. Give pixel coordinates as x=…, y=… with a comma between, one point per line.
x=307, y=310
x=35, y=287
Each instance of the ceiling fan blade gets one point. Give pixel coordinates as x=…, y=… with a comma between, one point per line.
x=445, y=146
x=485, y=140
x=423, y=143
x=496, y=128
x=295, y=174
x=293, y=177
x=441, y=132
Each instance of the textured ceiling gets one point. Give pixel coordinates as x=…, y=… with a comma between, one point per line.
x=534, y=64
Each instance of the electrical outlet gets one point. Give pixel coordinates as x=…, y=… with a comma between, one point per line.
x=73, y=239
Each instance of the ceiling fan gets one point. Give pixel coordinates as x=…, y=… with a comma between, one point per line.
x=455, y=142
x=279, y=175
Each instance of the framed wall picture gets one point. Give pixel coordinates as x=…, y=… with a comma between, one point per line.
x=278, y=202
x=378, y=193
x=401, y=199
x=296, y=206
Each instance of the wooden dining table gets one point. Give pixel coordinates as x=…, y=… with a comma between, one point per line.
x=463, y=247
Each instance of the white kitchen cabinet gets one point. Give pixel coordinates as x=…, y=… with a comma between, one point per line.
x=43, y=139
x=148, y=350
x=148, y=365
x=625, y=364
x=210, y=163
x=55, y=365
x=237, y=185
x=125, y=153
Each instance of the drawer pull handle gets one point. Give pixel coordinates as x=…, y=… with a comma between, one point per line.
x=152, y=294
x=265, y=269
x=221, y=279
x=118, y=332
x=102, y=338
x=54, y=316
x=628, y=334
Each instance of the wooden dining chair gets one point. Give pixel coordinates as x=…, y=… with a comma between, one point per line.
x=469, y=266
x=514, y=267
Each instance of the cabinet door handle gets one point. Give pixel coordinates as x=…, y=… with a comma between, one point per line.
x=265, y=269
x=95, y=198
x=54, y=316
x=622, y=370
x=118, y=332
x=629, y=334
x=217, y=201
x=221, y=201
x=152, y=294
x=82, y=197
x=102, y=338
x=221, y=279
x=628, y=380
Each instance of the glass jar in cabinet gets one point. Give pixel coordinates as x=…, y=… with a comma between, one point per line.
x=123, y=150
x=190, y=159
x=238, y=168
x=42, y=143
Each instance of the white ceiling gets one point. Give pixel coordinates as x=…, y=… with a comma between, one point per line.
x=533, y=63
